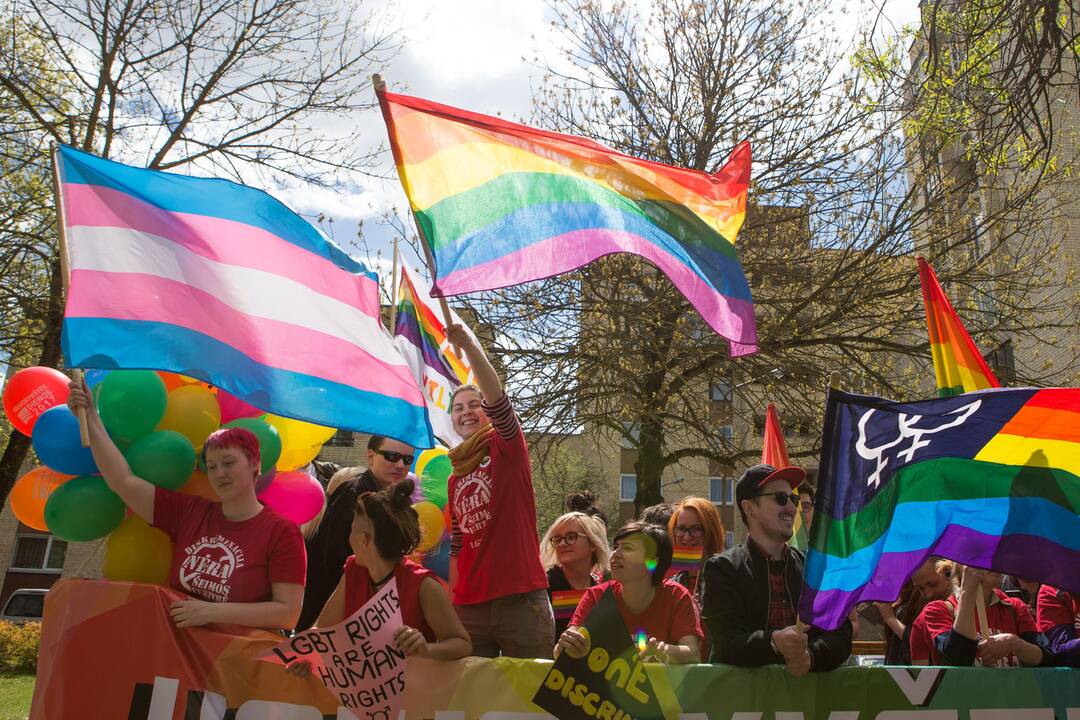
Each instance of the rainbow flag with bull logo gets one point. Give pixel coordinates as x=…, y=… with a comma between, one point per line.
x=502, y=204
x=989, y=479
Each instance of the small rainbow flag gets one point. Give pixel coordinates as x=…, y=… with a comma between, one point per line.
x=685, y=559
x=565, y=602
x=989, y=479
x=774, y=452
x=958, y=365
x=501, y=204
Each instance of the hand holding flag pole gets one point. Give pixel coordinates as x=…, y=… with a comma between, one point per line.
x=65, y=272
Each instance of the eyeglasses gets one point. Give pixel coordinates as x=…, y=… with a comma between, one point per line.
x=781, y=497
x=694, y=531
x=807, y=503
x=568, y=539
x=393, y=457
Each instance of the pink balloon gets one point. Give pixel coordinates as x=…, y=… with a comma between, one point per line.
x=233, y=407
x=295, y=495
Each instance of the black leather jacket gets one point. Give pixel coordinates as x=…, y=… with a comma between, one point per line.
x=735, y=593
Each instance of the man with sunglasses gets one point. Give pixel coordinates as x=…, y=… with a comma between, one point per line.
x=327, y=537
x=750, y=593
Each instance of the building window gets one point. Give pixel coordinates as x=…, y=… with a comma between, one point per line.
x=720, y=390
x=342, y=438
x=42, y=553
x=716, y=490
x=729, y=539
x=627, y=488
x=729, y=491
x=632, y=429
x=727, y=435
x=1002, y=362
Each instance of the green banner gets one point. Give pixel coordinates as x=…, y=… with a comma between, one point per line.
x=503, y=689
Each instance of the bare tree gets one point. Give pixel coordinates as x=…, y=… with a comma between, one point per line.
x=838, y=208
x=265, y=91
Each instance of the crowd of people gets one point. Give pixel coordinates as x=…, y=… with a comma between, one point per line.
x=239, y=562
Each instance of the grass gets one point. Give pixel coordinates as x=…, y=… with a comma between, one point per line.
x=15, y=694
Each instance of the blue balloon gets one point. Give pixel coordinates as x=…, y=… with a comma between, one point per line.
x=438, y=560
x=56, y=442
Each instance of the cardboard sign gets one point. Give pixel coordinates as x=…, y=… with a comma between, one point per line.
x=356, y=659
x=608, y=682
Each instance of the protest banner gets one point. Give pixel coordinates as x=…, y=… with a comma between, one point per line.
x=356, y=659
x=110, y=650
x=608, y=681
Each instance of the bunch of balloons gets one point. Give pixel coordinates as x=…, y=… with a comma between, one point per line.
x=160, y=421
x=433, y=468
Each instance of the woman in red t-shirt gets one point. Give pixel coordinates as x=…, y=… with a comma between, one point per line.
x=242, y=562
x=660, y=610
x=385, y=530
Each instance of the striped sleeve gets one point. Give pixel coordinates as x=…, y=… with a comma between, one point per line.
x=503, y=419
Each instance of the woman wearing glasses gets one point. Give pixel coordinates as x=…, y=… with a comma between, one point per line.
x=696, y=530
x=575, y=555
x=385, y=529
x=327, y=536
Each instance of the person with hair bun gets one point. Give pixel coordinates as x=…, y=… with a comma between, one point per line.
x=575, y=555
x=585, y=502
x=658, y=610
x=243, y=563
x=385, y=530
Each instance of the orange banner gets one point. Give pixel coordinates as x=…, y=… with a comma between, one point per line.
x=110, y=650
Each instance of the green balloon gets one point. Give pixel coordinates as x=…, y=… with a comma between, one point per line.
x=269, y=439
x=82, y=509
x=165, y=458
x=433, y=480
x=131, y=403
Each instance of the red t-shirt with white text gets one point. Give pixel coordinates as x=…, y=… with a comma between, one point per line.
x=671, y=616
x=221, y=560
x=1003, y=615
x=493, y=518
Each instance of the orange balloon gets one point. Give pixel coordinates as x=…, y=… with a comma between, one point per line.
x=175, y=380
x=31, y=491
x=198, y=484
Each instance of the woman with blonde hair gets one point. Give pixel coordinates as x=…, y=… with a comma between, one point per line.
x=575, y=555
x=694, y=524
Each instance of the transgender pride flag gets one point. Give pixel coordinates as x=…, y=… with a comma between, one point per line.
x=223, y=283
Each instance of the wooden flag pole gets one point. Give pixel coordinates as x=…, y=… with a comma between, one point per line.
x=834, y=384
x=394, y=289
x=65, y=272
x=980, y=610
x=380, y=85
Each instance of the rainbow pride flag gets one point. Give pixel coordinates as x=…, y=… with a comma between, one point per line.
x=565, y=602
x=223, y=283
x=685, y=559
x=989, y=479
x=959, y=367
x=420, y=336
x=501, y=204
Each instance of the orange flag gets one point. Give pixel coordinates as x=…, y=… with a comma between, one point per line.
x=773, y=448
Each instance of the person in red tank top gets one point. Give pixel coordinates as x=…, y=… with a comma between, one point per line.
x=385, y=530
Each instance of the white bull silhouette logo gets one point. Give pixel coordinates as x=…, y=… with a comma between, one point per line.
x=906, y=431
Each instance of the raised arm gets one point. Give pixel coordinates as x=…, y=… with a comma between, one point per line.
x=137, y=493
x=486, y=378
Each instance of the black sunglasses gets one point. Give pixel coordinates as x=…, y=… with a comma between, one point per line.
x=781, y=497
x=393, y=457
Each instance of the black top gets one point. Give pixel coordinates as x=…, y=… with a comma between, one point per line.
x=557, y=582
x=328, y=548
x=735, y=589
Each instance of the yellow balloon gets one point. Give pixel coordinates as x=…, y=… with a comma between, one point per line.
x=427, y=456
x=192, y=411
x=300, y=441
x=138, y=553
x=432, y=525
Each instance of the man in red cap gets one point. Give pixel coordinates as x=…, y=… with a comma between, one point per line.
x=750, y=592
